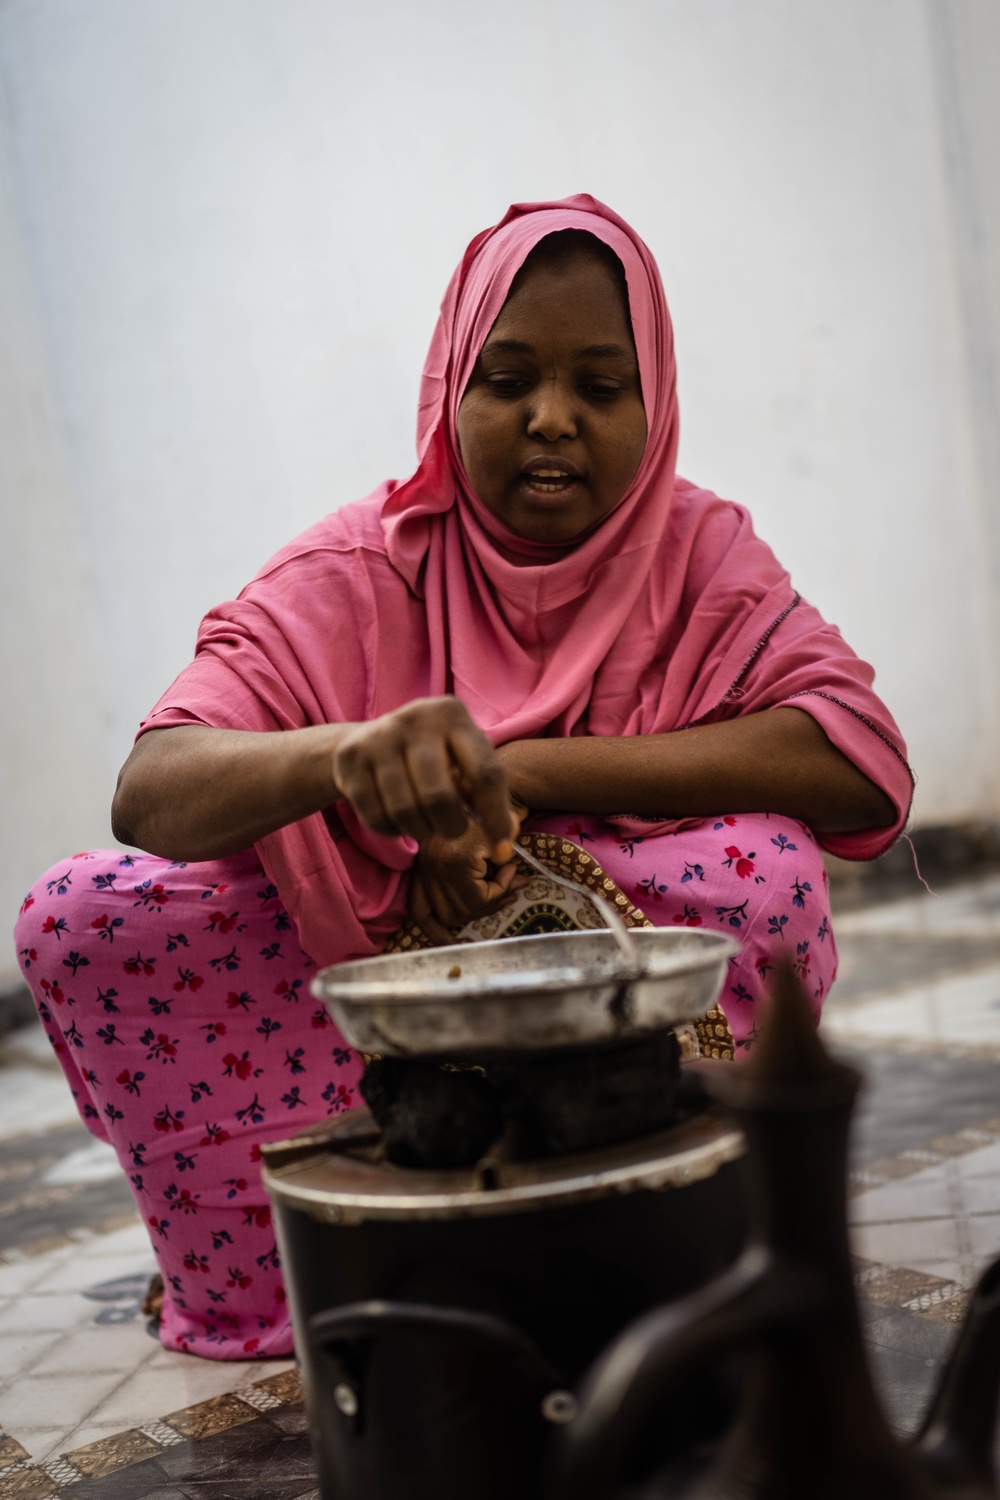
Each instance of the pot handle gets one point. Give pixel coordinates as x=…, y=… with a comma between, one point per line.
x=330, y=1330
x=635, y=1372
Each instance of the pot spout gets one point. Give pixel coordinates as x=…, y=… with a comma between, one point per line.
x=957, y=1435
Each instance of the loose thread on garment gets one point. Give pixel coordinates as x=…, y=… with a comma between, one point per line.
x=916, y=866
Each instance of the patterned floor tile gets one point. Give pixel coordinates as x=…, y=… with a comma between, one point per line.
x=205, y=1419
x=951, y=1310
x=28, y=1484
x=42, y=1442
x=915, y=1291
x=11, y=1451
x=111, y=1453
x=287, y=1385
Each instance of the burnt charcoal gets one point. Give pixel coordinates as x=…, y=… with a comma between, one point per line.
x=595, y=1097
x=432, y=1116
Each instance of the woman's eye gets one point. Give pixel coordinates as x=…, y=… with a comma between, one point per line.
x=602, y=392
x=507, y=385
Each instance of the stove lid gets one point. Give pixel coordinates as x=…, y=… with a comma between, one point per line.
x=336, y=1173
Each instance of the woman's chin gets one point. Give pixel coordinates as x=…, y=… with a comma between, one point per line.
x=561, y=516
x=558, y=530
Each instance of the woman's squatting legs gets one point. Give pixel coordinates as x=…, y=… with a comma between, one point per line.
x=177, y=1000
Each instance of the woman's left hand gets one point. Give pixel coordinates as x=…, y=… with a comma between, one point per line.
x=454, y=881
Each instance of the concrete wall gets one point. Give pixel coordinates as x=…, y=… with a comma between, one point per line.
x=225, y=229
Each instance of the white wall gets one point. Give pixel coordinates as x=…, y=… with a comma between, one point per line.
x=225, y=226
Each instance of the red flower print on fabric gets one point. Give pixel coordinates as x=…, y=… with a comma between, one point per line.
x=689, y=917
x=240, y=1067
x=105, y=926
x=744, y=863
x=187, y=979
x=140, y=965
x=150, y=895
x=219, y=922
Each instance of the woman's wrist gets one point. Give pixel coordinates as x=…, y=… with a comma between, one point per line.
x=520, y=761
x=553, y=774
x=313, y=763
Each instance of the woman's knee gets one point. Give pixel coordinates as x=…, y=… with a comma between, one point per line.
x=58, y=907
x=790, y=922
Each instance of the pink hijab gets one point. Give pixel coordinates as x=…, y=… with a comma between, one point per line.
x=670, y=612
x=527, y=627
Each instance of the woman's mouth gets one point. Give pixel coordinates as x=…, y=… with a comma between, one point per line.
x=549, y=483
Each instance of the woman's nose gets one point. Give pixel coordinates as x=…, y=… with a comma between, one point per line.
x=552, y=414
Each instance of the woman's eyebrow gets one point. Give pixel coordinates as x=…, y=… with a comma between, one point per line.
x=592, y=351
x=506, y=346
x=606, y=351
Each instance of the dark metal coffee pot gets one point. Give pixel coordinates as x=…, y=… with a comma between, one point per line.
x=809, y=1425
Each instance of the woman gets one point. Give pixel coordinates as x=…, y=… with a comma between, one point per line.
x=542, y=628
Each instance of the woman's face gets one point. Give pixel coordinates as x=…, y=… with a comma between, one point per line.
x=551, y=427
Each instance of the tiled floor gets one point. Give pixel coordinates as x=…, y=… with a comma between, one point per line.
x=80, y=1372
x=918, y=1006
x=91, y=1406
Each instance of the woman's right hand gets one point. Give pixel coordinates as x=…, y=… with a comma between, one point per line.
x=421, y=770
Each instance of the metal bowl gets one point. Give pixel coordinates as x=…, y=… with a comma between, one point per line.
x=558, y=989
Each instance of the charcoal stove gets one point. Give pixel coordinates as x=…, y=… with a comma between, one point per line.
x=535, y=1169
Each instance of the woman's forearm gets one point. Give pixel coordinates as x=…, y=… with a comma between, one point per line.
x=192, y=792
x=777, y=761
